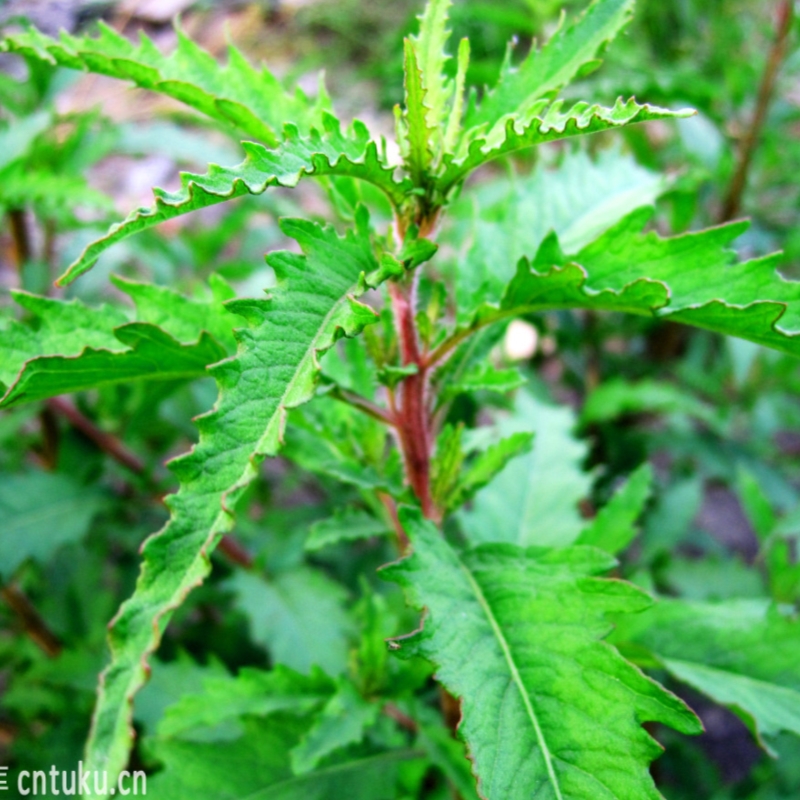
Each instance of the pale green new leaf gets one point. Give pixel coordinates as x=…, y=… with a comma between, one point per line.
x=236, y=94
x=534, y=499
x=39, y=512
x=416, y=132
x=545, y=123
x=549, y=710
x=741, y=653
x=614, y=527
x=318, y=154
x=548, y=69
x=275, y=369
x=431, y=57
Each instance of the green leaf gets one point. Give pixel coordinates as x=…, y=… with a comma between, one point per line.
x=487, y=465
x=618, y=397
x=299, y=616
x=63, y=327
x=342, y=722
x=742, y=653
x=550, y=68
x=509, y=219
x=534, y=500
x=236, y=94
x=485, y=378
x=454, y=119
x=614, y=527
x=548, y=708
x=327, y=153
x=277, y=363
x=257, y=767
x=180, y=316
x=203, y=715
x=546, y=123
x=152, y=355
x=417, y=134
x=430, y=49
x=692, y=278
x=346, y=525
x=39, y=512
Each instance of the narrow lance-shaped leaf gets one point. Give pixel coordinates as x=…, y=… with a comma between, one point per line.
x=548, y=709
x=546, y=123
x=237, y=94
x=430, y=44
x=417, y=132
x=328, y=153
x=275, y=370
x=546, y=70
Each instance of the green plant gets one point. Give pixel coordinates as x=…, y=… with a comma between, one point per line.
x=374, y=332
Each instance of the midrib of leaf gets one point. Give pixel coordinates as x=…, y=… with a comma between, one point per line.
x=515, y=676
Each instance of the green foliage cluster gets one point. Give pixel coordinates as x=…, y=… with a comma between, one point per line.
x=390, y=565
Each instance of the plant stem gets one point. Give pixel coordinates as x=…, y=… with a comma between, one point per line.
x=766, y=91
x=363, y=404
x=34, y=625
x=21, y=236
x=413, y=420
x=115, y=449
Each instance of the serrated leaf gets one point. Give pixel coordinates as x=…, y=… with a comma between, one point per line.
x=147, y=353
x=277, y=362
x=251, y=693
x=417, y=132
x=546, y=123
x=742, y=653
x=446, y=464
x=39, y=512
x=430, y=48
x=548, y=708
x=534, y=499
x=298, y=616
x=485, y=378
x=341, y=722
x=256, y=767
x=346, y=525
x=692, y=278
x=509, y=219
x=318, y=154
x=548, y=69
x=488, y=465
x=180, y=316
x=614, y=527
x=63, y=327
x=236, y=94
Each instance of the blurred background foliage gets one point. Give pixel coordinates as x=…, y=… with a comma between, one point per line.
x=718, y=419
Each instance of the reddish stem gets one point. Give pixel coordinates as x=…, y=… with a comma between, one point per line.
x=766, y=91
x=413, y=418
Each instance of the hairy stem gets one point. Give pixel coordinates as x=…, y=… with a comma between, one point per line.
x=766, y=91
x=413, y=417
